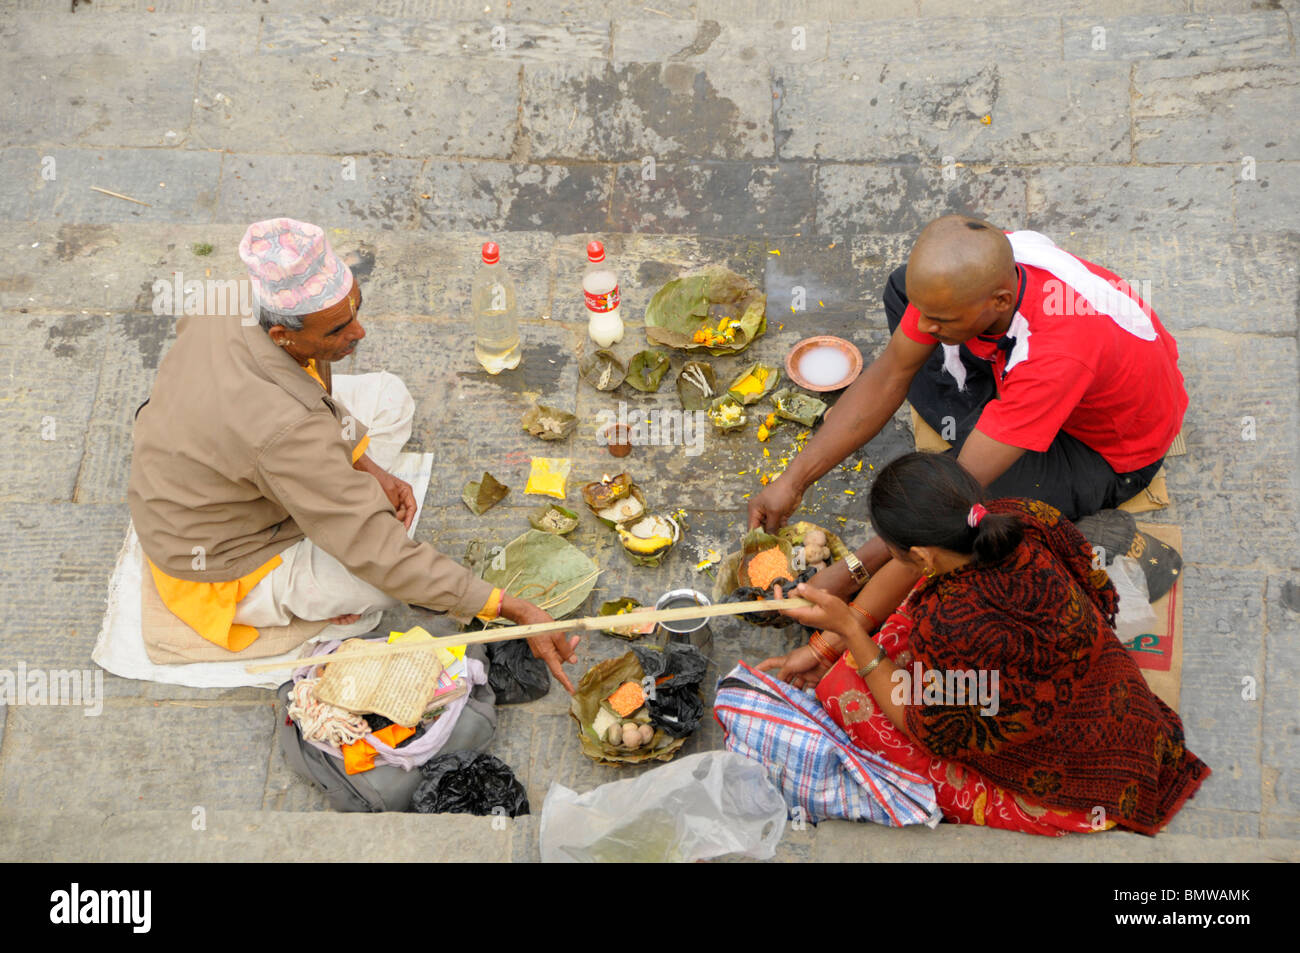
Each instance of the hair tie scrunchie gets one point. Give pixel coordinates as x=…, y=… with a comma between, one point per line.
x=976, y=514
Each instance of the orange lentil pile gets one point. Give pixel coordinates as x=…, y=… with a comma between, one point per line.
x=767, y=565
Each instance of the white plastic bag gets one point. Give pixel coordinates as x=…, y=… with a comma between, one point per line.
x=1135, y=616
x=702, y=806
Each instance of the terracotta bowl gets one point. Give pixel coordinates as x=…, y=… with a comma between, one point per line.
x=798, y=351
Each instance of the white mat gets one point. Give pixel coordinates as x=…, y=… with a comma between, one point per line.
x=120, y=647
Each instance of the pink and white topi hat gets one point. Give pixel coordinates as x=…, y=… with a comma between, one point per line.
x=293, y=269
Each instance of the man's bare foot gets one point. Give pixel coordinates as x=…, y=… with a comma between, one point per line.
x=344, y=619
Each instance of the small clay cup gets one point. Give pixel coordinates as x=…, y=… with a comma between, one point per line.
x=616, y=440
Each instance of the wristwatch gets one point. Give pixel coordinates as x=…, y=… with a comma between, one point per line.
x=870, y=666
x=856, y=569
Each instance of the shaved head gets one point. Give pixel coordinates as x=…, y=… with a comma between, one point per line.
x=958, y=260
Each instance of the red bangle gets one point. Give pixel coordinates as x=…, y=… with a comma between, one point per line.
x=872, y=622
x=818, y=644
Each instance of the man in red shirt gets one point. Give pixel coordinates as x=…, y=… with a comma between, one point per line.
x=1049, y=376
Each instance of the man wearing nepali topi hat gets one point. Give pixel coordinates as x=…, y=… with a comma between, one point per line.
x=260, y=485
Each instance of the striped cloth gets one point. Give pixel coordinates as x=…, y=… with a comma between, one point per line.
x=814, y=763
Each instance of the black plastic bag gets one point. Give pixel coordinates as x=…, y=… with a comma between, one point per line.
x=514, y=674
x=676, y=705
x=468, y=782
x=769, y=617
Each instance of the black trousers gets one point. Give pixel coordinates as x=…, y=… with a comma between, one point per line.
x=1069, y=474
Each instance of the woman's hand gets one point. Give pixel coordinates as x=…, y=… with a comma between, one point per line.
x=802, y=668
x=774, y=504
x=828, y=611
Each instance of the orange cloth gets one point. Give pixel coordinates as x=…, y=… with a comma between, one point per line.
x=492, y=608
x=360, y=755
x=209, y=607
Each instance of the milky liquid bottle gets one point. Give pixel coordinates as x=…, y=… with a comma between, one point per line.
x=496, y=322
x=600, y=290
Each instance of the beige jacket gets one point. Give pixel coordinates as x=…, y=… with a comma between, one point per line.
x=239, y=452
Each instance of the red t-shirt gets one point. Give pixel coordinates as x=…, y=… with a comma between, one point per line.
x=1083, y=374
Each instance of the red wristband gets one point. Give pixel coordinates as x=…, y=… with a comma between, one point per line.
x=818, y=644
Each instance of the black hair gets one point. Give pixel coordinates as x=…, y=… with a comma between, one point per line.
x=923, y=499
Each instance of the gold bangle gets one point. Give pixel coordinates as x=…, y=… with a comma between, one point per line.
x=870, y=666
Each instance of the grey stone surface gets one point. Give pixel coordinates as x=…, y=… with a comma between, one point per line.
x=1258, y=34
x=1204, y=110
x=880, y=198
x=922, y=112
x=216, y=757
x=50, y=379
x=175, y=186
x=1242, y=491
x=755, y=44
x=357, y=191
x=1281, y=750
x=96, y=100
x=174, y=36
x=664, y=110
x=770, y=160
x=1267, y=202
x=405, y=105
x=490, y=35
x=1025, y=37
x=714, y=198
x=1114, y=197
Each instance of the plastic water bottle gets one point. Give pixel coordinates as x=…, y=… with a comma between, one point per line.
x=496, y=321
x=600, y=289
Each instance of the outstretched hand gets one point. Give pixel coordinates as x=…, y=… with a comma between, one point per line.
x=828, y=611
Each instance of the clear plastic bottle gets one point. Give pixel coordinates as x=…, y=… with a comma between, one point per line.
x=496, y=321
x=600, y=289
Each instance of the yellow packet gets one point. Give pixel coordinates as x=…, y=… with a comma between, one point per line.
x=549, y=476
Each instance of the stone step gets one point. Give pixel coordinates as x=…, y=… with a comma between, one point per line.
x=225, y=836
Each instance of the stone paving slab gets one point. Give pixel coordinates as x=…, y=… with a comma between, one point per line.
x=241, y=835
x=95, y=100
x=346, y=191
x=1223, y=644
x=756, y=44
x=215, y=757
x=1206, y=110
x=177, y=186
x=1022, y=38
x=714, y=198
x=920, y=112
x=407, y=105
x=1268, y=201
x=1242, y=491
x=490, y=35
x=498, y=196
x=1280, y=682
x=164, y=36
x=1264, y=34
x=668, y=111
x=49, y=402
x=1123, y=199
x=904, y=198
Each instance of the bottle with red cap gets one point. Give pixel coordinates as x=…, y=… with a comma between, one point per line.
x=600, y=289
x=496, y=321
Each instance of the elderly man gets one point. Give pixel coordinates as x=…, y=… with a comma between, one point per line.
x=1052, y=380
x=257, y=494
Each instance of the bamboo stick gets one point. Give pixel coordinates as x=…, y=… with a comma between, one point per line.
x=119, y=195
x=587, y=624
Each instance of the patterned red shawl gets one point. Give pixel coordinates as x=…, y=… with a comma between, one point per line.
x=1076, y=726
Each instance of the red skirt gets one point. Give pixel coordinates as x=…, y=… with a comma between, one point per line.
x=963, y=796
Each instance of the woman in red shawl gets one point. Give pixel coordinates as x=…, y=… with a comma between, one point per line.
x=1039, y=720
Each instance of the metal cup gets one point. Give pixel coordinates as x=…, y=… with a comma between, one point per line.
x=694, y=632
